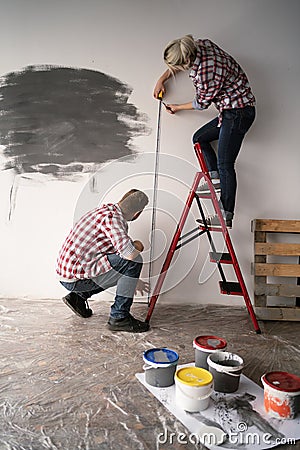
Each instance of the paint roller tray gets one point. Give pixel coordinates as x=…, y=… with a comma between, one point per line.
x=240, y=418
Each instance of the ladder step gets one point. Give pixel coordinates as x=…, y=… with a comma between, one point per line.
x=209, y=227
x=230, y=288
x=223, y=258
x=203, y=194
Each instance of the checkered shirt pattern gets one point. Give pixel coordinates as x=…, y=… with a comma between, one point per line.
x=219, y=79
x=98, y=233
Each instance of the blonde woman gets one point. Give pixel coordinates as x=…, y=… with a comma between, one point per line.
x=218, y=79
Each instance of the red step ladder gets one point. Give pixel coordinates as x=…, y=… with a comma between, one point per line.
x=229, y=288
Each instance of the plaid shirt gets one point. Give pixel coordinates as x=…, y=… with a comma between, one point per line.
x=219, y=79
x=99, y=232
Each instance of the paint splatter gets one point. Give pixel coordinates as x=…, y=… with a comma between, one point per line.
x=63, y=121
x=230, y=411
x=234, y=410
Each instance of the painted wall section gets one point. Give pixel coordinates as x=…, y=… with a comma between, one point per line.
x=119, y=44
x=51, y=119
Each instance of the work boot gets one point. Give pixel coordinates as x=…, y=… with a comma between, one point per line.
x=78, y=305
x=128, y=323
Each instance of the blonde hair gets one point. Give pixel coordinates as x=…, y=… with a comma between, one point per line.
x=180, y=53
x=133, y=201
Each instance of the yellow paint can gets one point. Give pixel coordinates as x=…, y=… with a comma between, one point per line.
x=194, y=387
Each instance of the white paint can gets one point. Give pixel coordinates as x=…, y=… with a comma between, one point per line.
x=226, y=368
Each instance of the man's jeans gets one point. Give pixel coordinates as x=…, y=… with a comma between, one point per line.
x=235, y=124
x=124, y=274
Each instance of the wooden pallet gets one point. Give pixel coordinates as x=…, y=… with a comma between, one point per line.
x=262, y=269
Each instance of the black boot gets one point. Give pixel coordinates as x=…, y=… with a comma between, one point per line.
x=78, y=305
x=128, y=323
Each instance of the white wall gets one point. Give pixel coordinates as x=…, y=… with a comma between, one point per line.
x=125, y=39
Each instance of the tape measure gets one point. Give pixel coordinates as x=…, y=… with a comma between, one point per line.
x=155, y=189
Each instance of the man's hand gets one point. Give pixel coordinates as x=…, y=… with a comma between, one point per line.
x=142, y=286
x=138, y=248
x=138, y=245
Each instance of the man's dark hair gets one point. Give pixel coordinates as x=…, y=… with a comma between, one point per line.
x=133, y=201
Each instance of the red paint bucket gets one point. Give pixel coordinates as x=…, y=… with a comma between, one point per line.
x=205, y=346
x=281, y=394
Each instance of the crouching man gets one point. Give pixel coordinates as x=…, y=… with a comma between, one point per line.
x=98, y=254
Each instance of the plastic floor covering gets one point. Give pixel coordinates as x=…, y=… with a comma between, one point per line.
x=69, y=383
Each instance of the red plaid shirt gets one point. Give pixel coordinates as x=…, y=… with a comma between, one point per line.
x=219, y=79
x=99, y=232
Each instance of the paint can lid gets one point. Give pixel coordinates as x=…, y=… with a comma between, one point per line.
x=209, y=343
x=282, y=381
x=194, y=376
x=160, y=357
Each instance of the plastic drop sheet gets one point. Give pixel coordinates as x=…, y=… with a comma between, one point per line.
x=69, y=383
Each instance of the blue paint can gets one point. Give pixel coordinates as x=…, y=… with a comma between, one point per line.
x=160, y=366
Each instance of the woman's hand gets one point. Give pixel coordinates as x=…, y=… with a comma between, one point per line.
x=159, y=87
x=174, y=108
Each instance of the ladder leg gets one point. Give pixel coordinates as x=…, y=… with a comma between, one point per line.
x=236, y=265
x=242, y=283
x=173, y=246
x=227, y=239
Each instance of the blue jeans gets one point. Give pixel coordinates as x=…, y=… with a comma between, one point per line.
x=235, y=124
x=124, y=274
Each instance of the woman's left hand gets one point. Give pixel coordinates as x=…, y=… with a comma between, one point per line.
x=172, y=109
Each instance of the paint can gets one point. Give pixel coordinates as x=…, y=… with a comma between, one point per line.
x=226, y=369
x=281, y=394
x=204, y=346
x=160, y=366
x=193, y=388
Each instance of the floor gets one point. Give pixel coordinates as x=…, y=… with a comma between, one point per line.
x=69, y=383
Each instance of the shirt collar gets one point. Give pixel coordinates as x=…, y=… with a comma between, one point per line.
x=119, y=210
x=195, y=66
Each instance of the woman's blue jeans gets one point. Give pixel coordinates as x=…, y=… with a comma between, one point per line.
x=124, y=274
x=235, y=124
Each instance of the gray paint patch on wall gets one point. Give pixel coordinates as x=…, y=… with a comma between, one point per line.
x=63, y=121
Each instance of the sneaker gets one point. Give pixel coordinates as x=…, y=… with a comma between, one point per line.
x=204, y=188
x=128, y=324
x=78, y=305
x=214, y=221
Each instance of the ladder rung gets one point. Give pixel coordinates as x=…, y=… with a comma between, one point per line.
x=209, y=227
x=230, y=288
x=223, y=258
x=204, y=194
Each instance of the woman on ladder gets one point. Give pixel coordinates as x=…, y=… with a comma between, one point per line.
x=220, y=80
